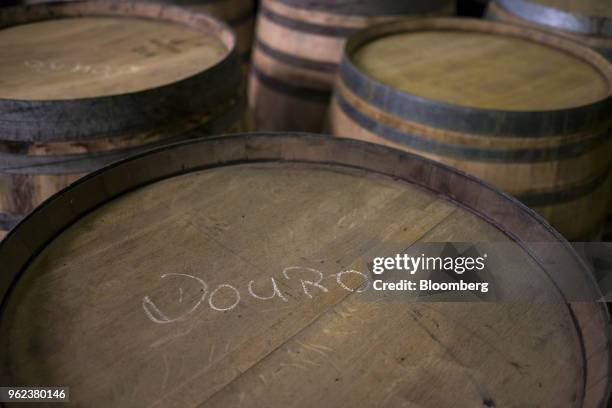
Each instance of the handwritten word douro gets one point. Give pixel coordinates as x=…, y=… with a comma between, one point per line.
x=211, y=296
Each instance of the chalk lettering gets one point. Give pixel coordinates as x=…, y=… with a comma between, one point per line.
x=230, y=307
x=275, y=292
x=306, y=284
x=361, y=289
x=157, y=316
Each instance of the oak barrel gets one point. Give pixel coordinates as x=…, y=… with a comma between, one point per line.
x=233, y=271
x=298, y=48
x=83, y=84
x=586, y=21
x=527, y=111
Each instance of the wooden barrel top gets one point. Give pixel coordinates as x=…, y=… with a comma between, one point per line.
x=482, y=70
x=113, y=67
x=185, y=276
x=100, y=56
x=479, y=77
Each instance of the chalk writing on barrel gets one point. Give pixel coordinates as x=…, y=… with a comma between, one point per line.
x=157, y=316
x=226, y=297
x=100, y=70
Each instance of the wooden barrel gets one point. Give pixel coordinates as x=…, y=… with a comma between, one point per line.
x=586, y=21
x=298, y=48
x=524, y=110
x=135, y=288
x=239, y=14
x=85, y=83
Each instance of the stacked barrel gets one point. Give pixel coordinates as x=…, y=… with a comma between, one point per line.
x=298, y=47
x=527, y=111
x=588, y=22
x=234, y=270
x=138, y=76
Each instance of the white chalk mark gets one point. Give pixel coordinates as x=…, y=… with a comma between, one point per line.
x=294, y=365
x=365, y=286
x=81, y=68
x=322, y=347
x=151, y=308
x=263, y=379
x=315, y=348
x=300, y=358
x=306, y=284
x=166, y=372
x=180, y=295
x=56, y=66
x=220, y=309
x=166, y=339
x=211, y=354
x=275, y=292
x=105, y=70
x=148, y=302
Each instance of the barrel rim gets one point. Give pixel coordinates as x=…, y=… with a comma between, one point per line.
x=376, y=8
x=554, y=17
x=128, y=110
x=477, y=120
x=62, y=210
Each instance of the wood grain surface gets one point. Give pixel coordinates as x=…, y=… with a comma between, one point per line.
x=482, y=70
x=42, y=61
x=239, y=14
x=198, y=289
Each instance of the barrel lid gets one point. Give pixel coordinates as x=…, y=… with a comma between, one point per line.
x=479, y=77
x=587, y=17
x=144, y=269
x=103, y=67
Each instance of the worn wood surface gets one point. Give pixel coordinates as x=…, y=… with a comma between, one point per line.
x=240, y=14
x=42, y=60
x=83, y=84
x=482, y=70
x=136, y=302
x=299, y=45
x=557, y=165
